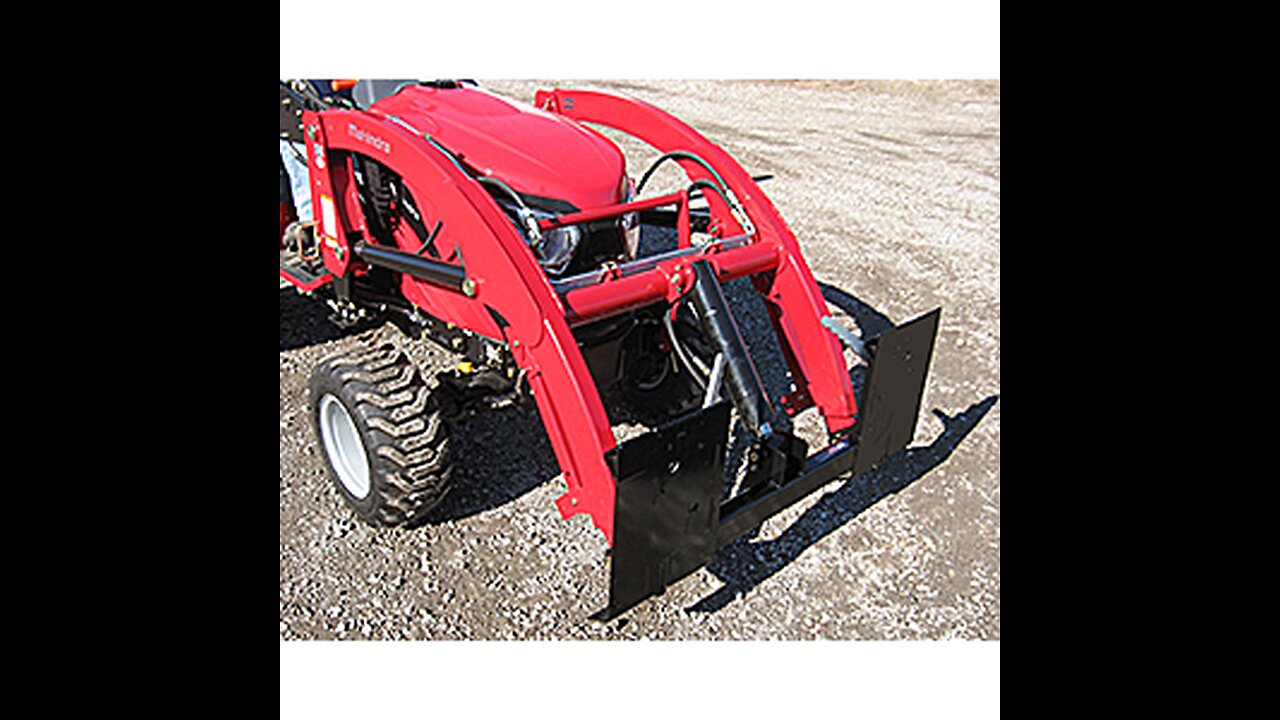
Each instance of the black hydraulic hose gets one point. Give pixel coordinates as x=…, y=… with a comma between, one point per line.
x=678, y=155
x=702, y=183
x=680, y=353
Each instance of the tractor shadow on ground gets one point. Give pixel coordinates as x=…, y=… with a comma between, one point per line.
x=504, y=453
x=747, y=561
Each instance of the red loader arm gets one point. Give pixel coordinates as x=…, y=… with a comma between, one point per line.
x=791, y=295
x=506, y=282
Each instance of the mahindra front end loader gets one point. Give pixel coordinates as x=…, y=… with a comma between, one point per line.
x=509, y=234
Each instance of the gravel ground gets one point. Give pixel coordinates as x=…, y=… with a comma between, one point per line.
x=893, y=189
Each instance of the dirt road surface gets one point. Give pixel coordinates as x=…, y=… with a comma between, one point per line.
x=893, y=189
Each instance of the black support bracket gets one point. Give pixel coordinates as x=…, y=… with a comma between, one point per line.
x=895, y=386
x=668, y=505
x=669, y=518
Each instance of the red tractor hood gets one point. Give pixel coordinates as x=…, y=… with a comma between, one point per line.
x=535, y=152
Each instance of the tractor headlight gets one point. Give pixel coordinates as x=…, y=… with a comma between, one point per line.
x=630, y=223
x=554, y=247
x=557, y=246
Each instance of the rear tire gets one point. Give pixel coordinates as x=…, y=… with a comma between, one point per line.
x=384, y=433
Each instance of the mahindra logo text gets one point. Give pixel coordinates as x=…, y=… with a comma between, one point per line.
x=368, y=138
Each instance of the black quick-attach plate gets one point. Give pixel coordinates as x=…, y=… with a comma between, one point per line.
x=895, y=386
x=668, y=505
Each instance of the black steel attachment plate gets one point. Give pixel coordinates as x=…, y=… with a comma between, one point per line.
x=668, y=519
x=668, y=505
x=895, y=386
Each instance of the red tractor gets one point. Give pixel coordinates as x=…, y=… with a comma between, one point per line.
x=510, y=235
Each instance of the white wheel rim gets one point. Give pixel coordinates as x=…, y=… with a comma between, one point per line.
x=343, y=447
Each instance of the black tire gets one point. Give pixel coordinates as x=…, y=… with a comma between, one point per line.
x=395, y=436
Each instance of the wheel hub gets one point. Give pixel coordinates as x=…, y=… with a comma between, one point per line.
x=343, y=447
